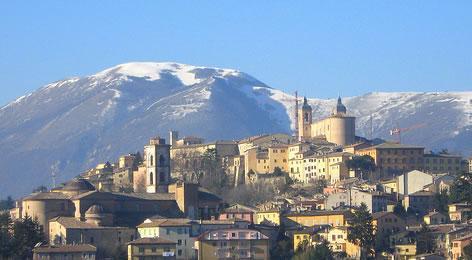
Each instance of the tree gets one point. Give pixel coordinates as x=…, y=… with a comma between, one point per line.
x=5, y=236
x=424, y=241
x=278, y=171
x=319, y=185
x=138, y=159
x=441, y=200
x=41, y=188
x=7, y=204
x=361, y=164
x=461, y=190
x=467, y=252
x=399, y=210
x=320, y=251
x=26, y=234
x=361, y=230
x=283, y=245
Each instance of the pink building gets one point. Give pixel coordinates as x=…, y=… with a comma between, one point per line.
x=238, y=211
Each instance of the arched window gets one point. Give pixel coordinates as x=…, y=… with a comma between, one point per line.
x=306, y=117
x=151, y=162
x=151, y=179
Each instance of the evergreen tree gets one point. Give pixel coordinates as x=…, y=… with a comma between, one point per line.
x=5, y=236
x=361, y=230
x=424, y=241
x=461, y=190
x=26, y=234
x=320, y=251
x=467, y=252
x=283, y=247
x=362, y=164
x=7, y=204
x=399, y=210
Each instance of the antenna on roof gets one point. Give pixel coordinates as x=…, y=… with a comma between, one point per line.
x=54, y=170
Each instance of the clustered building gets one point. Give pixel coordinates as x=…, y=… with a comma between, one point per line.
x=151, y=206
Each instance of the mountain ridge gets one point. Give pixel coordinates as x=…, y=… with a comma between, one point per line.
x=77, y=122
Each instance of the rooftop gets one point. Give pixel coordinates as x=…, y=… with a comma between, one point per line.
x=319, y=213
x=46, y=196
x=71, y=222
x=151, y=241
x=165, y=222
x=393, y=146
x=65, y=249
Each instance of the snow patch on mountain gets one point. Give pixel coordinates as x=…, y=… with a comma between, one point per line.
x=152, y=71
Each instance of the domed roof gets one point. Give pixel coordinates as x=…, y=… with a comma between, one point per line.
x=340, y=108
x=95, y=209
x=78, y=185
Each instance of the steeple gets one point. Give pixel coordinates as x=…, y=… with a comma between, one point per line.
x=340, y=108
x=305, y=104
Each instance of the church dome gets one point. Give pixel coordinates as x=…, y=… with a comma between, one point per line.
x=340, y=108
x=78, y=185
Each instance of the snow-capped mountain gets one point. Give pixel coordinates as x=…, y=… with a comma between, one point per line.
x=75, y=123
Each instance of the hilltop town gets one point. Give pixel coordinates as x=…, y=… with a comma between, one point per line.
x=321, y=192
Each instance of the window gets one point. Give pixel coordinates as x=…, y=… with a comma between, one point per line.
x=233, y=234
x=91, y=240
x=153, y=249
x=151, y=162
x=151, y=179
x=179, y=242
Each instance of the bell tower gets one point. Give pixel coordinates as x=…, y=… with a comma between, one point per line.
x=157, y=161
x=304, y=120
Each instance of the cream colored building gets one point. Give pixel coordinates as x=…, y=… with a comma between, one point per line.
x=331, y=167
x=339, y=128
x=177, y=230
x=270, y=216
x=151, y=248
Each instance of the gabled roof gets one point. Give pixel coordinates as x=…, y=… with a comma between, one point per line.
x=239, y=208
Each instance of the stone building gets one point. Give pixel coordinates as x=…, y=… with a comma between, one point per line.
x=394, y=159
x=108, y=240
x=157, y=162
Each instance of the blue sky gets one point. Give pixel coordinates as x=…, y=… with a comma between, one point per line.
x=318, y=48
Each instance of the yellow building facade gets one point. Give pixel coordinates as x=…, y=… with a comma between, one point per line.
x=325, y=217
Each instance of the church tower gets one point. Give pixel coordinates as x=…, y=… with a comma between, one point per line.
x=304, y=120
x=157, y=161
